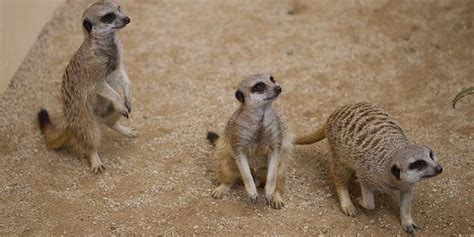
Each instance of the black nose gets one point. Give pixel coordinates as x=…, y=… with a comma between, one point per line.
x=439, y=170
x=126, y=20
x=278, y=90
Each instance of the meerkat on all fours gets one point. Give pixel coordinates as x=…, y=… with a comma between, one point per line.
x=255, y=145
x=95, y=88
x=366, y=140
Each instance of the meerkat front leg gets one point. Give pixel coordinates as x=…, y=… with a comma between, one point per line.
x=106, y=91
x=341, y=176
x=127, y=91
x=405, y=211
x=273, y=165
x=367, y=200
x=112, y=122
x=244, y=168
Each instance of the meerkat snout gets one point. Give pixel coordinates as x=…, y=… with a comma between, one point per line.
x=278, y=90
x=126, y=20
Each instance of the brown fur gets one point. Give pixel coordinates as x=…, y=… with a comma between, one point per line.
x=255, y=134
x=364, y=140
x=95, y=87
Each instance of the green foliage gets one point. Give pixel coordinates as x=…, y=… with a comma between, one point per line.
x=461, y=94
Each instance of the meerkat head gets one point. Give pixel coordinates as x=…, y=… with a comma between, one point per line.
x=414, y=163
x=258, y=90
x=103, y=18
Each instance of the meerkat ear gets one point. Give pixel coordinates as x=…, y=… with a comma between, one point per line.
x=87, y=25
x=395, y=171
x=240, y=96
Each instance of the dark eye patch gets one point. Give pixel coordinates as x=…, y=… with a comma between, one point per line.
x=259, y=87
x=419, y=165
x=272, y=79
x=431, y=154
x=108, y=18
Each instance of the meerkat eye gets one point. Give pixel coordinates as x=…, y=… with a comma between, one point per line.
x=119, y=8
x=419, y=165
x=272, y=79
x=108, y=18
x=259, y=87
x=431, y=155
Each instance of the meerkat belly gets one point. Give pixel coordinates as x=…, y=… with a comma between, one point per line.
x=258, y=157
x=103, y=107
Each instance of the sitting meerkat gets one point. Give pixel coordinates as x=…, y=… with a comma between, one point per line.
x=365, y=139
x=95, y=87
x=255, y=143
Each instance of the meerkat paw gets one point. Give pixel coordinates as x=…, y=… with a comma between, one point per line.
x=348, y=209
x=220, y=191
x=128, y=105
x=409, y=227
x=129, y=132
x=368, y=206
x=126, y=131
x=123, y=110
x=97, y=167
x=254, y=199
x=275, y=201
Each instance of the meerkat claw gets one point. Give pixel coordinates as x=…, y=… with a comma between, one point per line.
x=128, y=105
x=349, y=210
x=97, y=169
x=275, y=201
x=269, y=199
x=220, y=191
x=254, y=199
x=125, y=114
x=410, y=228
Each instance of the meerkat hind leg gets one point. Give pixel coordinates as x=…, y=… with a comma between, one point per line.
x=277, y=201
x=96, y=164
x=341, y=176
x=113, y=123
x=221, y=190
x=227, y=175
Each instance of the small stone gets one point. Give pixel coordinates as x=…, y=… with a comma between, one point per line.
x=366, y=227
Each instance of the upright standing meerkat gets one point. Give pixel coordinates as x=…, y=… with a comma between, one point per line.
x=95, y=87
x=365, y=139
x=255, y=144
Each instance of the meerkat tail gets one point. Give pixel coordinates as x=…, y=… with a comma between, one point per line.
x=212, y=137
x=54, y=139
x=313, y=137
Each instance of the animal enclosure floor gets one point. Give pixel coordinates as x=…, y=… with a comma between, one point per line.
x=185, y=59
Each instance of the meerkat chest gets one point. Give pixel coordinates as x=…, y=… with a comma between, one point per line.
x=109, y=54
x=259, y=149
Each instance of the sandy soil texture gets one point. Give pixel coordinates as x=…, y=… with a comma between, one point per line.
x=186, y=58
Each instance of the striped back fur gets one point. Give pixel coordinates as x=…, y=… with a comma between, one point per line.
x=365, y=128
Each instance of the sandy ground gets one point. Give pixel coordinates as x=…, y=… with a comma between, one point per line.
x=186, y=59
